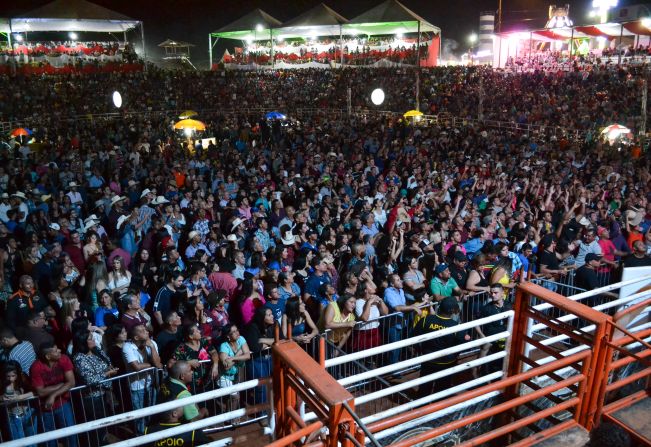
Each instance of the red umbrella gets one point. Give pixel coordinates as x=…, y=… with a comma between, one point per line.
x=21, y=132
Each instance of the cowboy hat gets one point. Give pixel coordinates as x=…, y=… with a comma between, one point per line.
x=99, y=203
x=91, y=217
x=72, y=185
x=121, y=220
x=231, y=238
x=88, y=224
x=145, y=192
x=289, y=238
x=116, y=199
x=20, y=195
x=192, y=235
x=634, y=216
x=159, y=200
x=55, y=226
x=46, y=197
x=236, y=223
x=4, y=196
x=169, y=229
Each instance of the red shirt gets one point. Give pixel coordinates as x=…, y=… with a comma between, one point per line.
x=43, y=376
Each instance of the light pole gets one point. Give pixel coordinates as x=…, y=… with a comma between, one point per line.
x=472, y=39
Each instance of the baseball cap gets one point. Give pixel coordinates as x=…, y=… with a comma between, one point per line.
x=441, y=268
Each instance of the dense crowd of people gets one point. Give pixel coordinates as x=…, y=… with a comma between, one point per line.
x=125, y=246
x=595, y=98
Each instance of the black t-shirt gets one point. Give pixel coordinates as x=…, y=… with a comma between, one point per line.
x=549, y=259
x=433, y=323
x=167, y=343
x=586, y=278
x=494, y=327
x=189, y=439
x=633, y=261
x=460, y=275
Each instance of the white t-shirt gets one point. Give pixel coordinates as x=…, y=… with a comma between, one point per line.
x=131, y=354
x=374, y=314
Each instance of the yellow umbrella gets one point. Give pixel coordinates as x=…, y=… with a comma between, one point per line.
x=413, y=113
x=188, y=114
x=190, y=124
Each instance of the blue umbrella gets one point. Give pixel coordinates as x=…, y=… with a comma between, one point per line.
x=275, y=116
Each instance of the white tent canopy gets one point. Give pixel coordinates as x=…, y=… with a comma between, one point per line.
x=72, y=15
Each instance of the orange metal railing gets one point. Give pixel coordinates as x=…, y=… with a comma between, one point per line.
x=578, y=384
x=298, y=378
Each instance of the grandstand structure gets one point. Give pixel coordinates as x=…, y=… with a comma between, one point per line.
x=276, y=43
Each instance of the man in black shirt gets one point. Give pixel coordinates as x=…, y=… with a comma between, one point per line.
x=442, y=319
x=458, y=269
x=638, y=258
x=548, y=262
x=494, y=307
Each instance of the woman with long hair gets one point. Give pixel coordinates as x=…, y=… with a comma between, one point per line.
x=106, y=313
x=96, y=280
x=339, y=316
x=194, y=313
x=195, y=349
x=249, y=300
x=143, y=265
x=22, y=417
x=303, y=329
x=260, y=336
x=93, y=367
x=119, y=277
x=501, y=273
x=92, y=249
x=369, y=308
x=233, y=352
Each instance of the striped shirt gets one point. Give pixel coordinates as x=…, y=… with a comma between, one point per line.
x=22, y=353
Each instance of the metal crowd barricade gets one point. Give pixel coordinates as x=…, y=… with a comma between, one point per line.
x=258, y=367
x=85, y=403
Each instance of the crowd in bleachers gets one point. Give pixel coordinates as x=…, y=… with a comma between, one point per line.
x=124, y=247
x=562, y=61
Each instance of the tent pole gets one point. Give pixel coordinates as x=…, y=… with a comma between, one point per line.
x=125, y=37
x=619, y=52
x=572, y=43
x=530, y=45
x=209, y=51
x=144, y=48
x=341, y=45
x=418, y=69
x=9, y=36
x=271, y=38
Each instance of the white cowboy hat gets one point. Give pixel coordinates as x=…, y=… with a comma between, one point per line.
x=121, y=220
x=236, y=223
x=99, y=203
x=169, y=229
x=55, y=226
x=289, y=238
x=88, y=224
x=159, y=200
x=116, y=199
x=145, y=192
x=4, y=196
x=231, y=238
x=91, y=217
x=72, y=184
x=20, y=195
x=635, y=216
x=192, y=235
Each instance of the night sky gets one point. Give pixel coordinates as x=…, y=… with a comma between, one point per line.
x=191, y=20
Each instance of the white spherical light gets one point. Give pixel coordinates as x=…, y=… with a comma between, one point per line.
x=377, y=97
x=117, y=99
